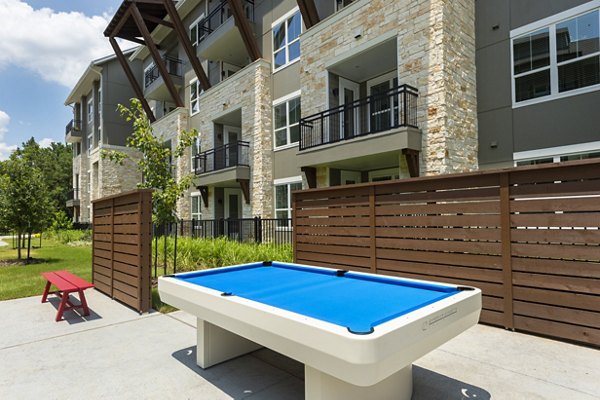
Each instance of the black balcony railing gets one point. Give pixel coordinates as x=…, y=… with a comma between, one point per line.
x=174, y=67
x=73, y=125
x=381, y=112
x=219, y=15
x=229, y=155
x=73, y=194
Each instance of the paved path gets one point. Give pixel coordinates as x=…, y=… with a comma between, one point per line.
x=116, y=353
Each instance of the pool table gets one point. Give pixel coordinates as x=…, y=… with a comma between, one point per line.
x=356, y=333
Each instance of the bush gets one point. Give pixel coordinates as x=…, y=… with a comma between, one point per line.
x=195, y=254
x=68, y=236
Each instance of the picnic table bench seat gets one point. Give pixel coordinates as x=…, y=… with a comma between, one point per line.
x=66, y=283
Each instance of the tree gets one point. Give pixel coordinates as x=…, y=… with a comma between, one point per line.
x=25, y=205
x=56, y=165
x=155, y=163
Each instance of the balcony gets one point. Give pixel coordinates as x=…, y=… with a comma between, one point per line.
x=219, y=37
x=338, y=136
x=73, y=198
x=224, y=164
x=154, y=84
x=73, y=131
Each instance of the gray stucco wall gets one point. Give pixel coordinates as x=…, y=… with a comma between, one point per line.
x=502, y=129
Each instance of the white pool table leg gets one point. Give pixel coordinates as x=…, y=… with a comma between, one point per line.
x=320, y=386
x=215, y=344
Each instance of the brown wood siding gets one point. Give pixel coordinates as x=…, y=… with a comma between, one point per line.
x=121, y=248
x=529, y=237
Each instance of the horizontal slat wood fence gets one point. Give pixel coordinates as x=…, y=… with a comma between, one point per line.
x=528, y=237
x=122, y=237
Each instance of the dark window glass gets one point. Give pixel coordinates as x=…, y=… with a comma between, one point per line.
x=531, y=52
x=579, y=74
x=577, y=37
x=532, y=86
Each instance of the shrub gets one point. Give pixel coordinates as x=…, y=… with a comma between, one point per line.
x=195, y=254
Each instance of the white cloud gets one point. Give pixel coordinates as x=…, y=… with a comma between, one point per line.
x=56, y=45
x=46, y=142
x=4, y=120
x=5, y=149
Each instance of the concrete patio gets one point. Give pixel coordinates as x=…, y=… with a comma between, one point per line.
x=116, y=353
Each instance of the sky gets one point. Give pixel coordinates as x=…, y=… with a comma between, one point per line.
x=45, y=46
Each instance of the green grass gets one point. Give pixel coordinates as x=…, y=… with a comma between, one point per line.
x=18, y=281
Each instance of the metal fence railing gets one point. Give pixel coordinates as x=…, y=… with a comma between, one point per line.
x=249, y=230
x=378, y=113
x=229, y=155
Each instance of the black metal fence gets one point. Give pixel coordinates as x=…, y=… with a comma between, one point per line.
x=219, y=15
x=381, y=112
x=73, y=125
x=174, y=67
x=249, y=230
x=73, y=194
x=229, y=155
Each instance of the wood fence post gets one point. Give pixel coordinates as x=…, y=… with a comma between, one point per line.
x=112, y=248
x=507, y=283
x=372, y=230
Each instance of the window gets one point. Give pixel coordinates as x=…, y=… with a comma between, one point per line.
x=557, y=59
x=90, y=142
x=286, y=120
x=286, y=39
x=196, y=201
x=283, y=200
x=195, y=92
x=197, y=31
x=100, y=101
x=339, y=4
x=90, y=110
x=195, y=152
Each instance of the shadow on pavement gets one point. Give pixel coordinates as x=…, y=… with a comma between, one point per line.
x=429, y=385
x=73, y=316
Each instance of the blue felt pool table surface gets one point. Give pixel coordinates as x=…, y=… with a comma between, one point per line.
x=356, y=301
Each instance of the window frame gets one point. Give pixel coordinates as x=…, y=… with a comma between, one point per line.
x=199, y=92
x=286, y=99
x=556, y=152
x=550, y=23
x=196, y=196
x=287, y=182
x=90, y=110
x=283, y=20
x=195, y=24
x=198, y=146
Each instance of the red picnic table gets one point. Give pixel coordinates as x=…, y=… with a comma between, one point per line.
x=66, y=283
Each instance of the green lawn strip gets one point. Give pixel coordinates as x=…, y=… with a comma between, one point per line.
x=18, y=281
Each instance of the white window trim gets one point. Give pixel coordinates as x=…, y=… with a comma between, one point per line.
x=558, y=151
x=198, y=144
x=196, y=82
x=277, y=102
x=550, y=23
x=192, y=195
x=287, y=182
x=90, y=115
x=196, y=21
x=280, y=20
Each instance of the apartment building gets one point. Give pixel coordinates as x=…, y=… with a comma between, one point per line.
x=96, y=125
x=538, y=81
x=295, y=94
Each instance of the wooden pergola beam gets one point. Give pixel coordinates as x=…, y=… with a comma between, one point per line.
x=132, y=81
x=245, y=30
x=157, y=21
x=311, y=176
x=135, y=40
x=412, y=161
x=162, y=68
x=245, y=186
x=309, y=12
x=187, y=45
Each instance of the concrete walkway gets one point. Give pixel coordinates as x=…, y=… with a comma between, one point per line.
x=115, y=353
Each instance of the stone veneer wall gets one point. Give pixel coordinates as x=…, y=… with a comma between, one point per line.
x=436, y=54
x=168, y=128
x=250, y=91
